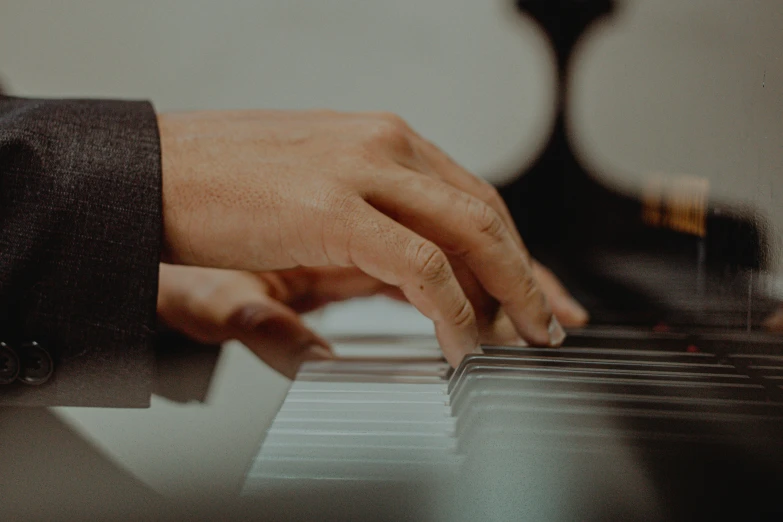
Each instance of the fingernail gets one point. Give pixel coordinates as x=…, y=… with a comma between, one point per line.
x=318, y=352
x=478, y=350
x=556, y=333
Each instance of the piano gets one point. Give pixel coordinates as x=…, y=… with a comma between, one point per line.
x=669, y=406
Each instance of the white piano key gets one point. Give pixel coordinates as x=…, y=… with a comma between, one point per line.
x=370, y=378
x=396, y=453
x=365, y=414
x=342, y=468
x=377, y=399
x=444, y=427
x=372, y=316
x=439, y=407
x=415, y=348
x=359, y=439
x=367, y=388
x=375, y=367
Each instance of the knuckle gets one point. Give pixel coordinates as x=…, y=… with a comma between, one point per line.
x=528, y=287
x=485, y=219
x=330, y=202
x=390, y=132
x=529, y=294
x=430, y=264
x=336, y=224
x=342, y=204
x=367, y=154
x=201, y=304
x=385, y=130
x=344, y=213
x=465, y=316
x=393, y=118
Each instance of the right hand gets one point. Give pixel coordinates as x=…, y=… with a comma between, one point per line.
x=270, y=190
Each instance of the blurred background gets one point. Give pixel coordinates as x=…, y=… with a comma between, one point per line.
x=673, y=87
x=678, y=86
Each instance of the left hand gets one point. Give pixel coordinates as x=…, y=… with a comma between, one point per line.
x=262, y=309
x=212, y=305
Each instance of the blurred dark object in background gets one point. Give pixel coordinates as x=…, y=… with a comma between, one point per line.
x=673, y=267
x=666, y=257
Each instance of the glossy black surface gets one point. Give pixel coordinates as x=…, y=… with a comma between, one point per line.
x=9, y=364
x=596, y=238
x=705, y=430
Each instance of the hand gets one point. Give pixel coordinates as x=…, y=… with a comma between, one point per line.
x=265, y=190
x=213, y=305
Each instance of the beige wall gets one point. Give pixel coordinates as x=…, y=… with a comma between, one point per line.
x=457, y=69
x=676, y=86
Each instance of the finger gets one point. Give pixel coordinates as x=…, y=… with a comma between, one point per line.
x=493, y=324
x=271, y=330
x=281, y=340
x=468, y=228
x=214, y=305
x=428, y=155
x=432, y=159
x=392, y=292
x=495, y=327
x=254, y=319
x=388, y=251
x=566, y=308
x=453, y=173
x=485, y=306
x=186, y=304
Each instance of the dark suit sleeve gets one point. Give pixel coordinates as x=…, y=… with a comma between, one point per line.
x=80, y=240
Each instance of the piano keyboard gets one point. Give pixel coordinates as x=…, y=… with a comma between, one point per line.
x=657, y=430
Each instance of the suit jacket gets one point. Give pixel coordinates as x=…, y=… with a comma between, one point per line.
x=80, y=240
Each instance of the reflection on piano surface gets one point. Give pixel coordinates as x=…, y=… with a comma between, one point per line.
x=668, y=407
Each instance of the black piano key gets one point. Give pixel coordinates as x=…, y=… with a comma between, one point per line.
x=715, y=342
x=618, y=364
x=767, y=371
x=770, y=361
x=520, y=367
x=628, y=354
x=525, y=424
x=616, y=386
x=500, y=392
x=522, y=371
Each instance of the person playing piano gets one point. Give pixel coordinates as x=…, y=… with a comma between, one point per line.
x=258, y=216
